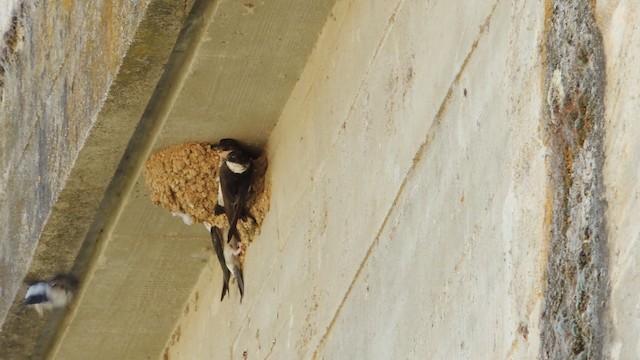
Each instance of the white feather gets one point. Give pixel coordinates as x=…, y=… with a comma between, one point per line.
x=36, y=289
x=58, y=297
x=188, y=220
x=237, y=168
x=220, y=197
x=231, y=252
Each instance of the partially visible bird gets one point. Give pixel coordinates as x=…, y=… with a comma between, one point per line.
x=234, y=182
x=225, y=146
x=51, y=294
x=229, y=259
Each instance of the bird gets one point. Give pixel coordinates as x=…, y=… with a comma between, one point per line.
x=51, y=294
x=234, y=182
x=225, y=146
x=229, y=260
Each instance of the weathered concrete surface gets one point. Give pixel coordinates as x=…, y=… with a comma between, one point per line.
x=7, y=8
x=55, y=84
x=397, y=228
x=619, y=23
x=56, y=108
x=246, y=67
x=412, y=187
x=575, y=319
x=99, y=220
x=140, y=263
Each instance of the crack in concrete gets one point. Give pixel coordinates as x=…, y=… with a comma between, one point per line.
x=574, y=322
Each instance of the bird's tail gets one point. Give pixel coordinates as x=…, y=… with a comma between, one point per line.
x=225, y=289
x=237, y=272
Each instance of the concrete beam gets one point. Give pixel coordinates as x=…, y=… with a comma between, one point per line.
x=411, y=226
x=230, y=73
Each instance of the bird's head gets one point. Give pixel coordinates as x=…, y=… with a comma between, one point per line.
x=238, y=161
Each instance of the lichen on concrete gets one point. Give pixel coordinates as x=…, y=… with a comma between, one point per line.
x=574, y=318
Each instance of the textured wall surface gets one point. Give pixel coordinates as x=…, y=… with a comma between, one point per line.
x=7, y=11
x=466, y=190
x=577, y=291
x=77, y=210
x=408, y=202
x=447, y=181
x=54, y=85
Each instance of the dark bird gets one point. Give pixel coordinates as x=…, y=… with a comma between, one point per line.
x=234, y=179
x=54, y=293
x=229, y=259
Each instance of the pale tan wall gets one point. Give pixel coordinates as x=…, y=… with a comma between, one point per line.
x=619, y=23
x=408, y=199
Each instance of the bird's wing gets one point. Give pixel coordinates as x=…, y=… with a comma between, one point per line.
x=236, y=202
x=225, y=285
x=216, y=239
x=35, y=299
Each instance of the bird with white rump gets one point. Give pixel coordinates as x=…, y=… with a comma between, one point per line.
x=51, y=294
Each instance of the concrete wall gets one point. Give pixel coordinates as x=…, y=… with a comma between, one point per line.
x=7, y=10
x=433, y=181
x=619, y=21
x=74, y=91
x=61, y=61
x=409, y=196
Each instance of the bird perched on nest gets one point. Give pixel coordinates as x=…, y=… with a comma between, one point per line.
x=229, y=261
x=234, y=182
x=51, y=294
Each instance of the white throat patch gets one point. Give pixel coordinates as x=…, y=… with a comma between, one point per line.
x=237, y=168
x=220, y=196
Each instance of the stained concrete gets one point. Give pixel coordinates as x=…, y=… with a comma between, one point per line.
x=411, y=186
x=575, y=313
x=55, y=83
x=78, y=135
x=404, y=233
x=7, y=11
x=129, y=233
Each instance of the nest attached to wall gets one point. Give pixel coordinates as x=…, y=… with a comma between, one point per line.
x=183, y=180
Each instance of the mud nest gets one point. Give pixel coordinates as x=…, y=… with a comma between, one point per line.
x=183, y=180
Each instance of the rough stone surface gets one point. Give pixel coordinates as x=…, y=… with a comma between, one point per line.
x=575, y=320
x=7, y=12
x=55, y=83
x=83, y=127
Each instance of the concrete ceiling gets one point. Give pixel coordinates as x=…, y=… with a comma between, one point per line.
x=230, y=73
